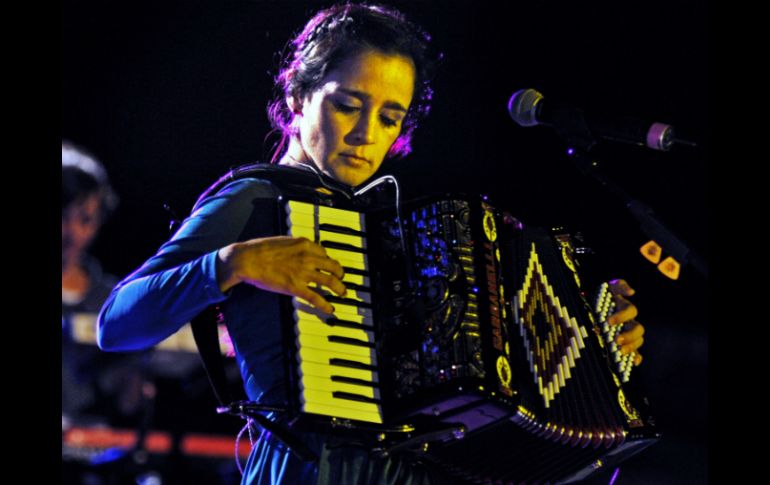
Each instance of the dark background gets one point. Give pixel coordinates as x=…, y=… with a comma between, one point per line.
x=169, y=95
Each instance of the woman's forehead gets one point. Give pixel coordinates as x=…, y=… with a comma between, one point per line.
x=374, y=74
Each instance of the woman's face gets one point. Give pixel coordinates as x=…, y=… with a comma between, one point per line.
x=348, y=124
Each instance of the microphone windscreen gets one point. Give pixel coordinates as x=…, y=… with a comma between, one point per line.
x=523, y=106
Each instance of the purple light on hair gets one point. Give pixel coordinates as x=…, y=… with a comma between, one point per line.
x=614, y=476
x=400, y=147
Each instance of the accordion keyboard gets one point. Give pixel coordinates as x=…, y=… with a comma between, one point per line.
x=336, y=356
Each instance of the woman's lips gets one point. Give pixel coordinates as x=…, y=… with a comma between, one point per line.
x=355, y=159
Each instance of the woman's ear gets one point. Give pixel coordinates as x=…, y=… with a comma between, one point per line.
x=294, y=104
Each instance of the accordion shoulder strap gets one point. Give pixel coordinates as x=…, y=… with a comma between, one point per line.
x=290, y=181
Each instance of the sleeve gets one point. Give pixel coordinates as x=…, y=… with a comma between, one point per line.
x=180, y=280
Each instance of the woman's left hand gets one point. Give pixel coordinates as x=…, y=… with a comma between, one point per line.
x=625, y=314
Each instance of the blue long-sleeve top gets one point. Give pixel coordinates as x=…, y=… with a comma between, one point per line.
x=180, y=280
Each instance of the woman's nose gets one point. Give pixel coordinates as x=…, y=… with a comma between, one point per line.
x=363, y=131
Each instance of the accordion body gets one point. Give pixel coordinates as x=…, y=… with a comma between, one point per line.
x=458, y=317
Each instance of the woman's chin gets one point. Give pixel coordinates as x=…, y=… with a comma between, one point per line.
x=352, y=177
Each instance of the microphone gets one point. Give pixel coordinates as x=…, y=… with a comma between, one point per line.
x=528, y=107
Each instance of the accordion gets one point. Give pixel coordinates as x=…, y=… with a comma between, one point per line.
x=469, y=334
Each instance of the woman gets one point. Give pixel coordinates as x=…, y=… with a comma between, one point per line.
x=352, y=87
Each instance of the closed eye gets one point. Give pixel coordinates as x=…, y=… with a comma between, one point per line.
x=388, y=121
x=345, y=108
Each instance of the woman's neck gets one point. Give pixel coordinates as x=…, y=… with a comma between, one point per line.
x=296, y=156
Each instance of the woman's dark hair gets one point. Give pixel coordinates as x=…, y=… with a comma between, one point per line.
x=336, y=33
x=81, y=176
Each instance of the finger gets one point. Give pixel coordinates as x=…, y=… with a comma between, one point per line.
x=621, y=287
x=331, y=266
x=314, y=299
x=638, y=359
x=625, y=311
x=635, y=331
x=329, y=281
x=631, y=346
x=309, y=247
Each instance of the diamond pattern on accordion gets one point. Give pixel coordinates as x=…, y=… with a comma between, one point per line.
x=552, y=337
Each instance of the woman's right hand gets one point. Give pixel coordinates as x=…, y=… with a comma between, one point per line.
x=281, y=264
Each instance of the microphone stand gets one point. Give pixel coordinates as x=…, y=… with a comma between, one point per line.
x=580, y=141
